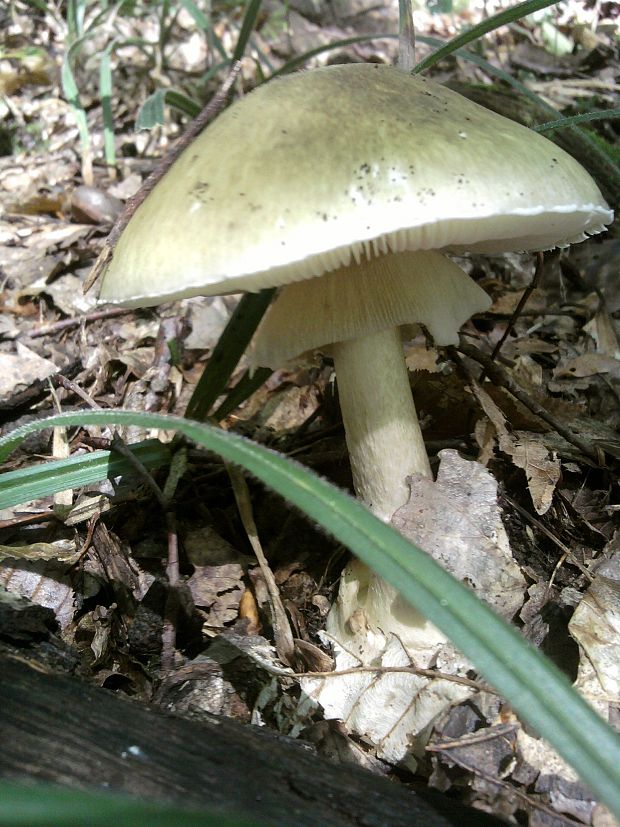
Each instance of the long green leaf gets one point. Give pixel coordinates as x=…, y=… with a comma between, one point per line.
x=245, y=387
x=38, y=481
x=539, y=692
x=151, y=113
x=247, y=27
x=42, y=805
x=573, y=120
x=299, y=60
x=502, y=18
x=227, y=352
x=105, y=94
x=72, y=94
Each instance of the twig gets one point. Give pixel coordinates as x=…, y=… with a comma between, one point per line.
x=66, y=324
x=213, y=108
x=59, y=379
x=566, y=552
x=29, y=519
x=517, y=311
x=92, y=524
x=502, y=378
x=285, y=645
x=434, y=674
x=448, y=747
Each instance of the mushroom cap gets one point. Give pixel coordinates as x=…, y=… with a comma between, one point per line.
x=317, y=169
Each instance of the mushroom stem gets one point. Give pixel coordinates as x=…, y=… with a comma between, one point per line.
x=382, y=430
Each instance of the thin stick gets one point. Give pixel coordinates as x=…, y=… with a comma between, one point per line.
x=517, y=311
x=433, y=674
x=566, y=552
x=449, y=747
x=67, y=384
x=502, y=378
x=283, y=636
x=67, y=324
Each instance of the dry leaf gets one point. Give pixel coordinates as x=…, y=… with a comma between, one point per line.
x=457, y=521
x=20, y=369
x=528, y=451
x=420, y=357
x=541, y=466
x=589, y=364
x=595, y=625
x=64, y=551
x=44, y=582
x=218, y=590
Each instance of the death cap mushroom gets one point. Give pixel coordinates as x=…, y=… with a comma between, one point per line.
x=318, y=169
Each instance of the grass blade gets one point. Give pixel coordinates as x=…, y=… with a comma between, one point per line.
x=502, y=18
x=245, y=387
x=71, y=92
x=573, y=120
x=41, y=805
x=247, y=27
x=36, y=482
x=105, y=93
x=152, y=112
x=227, y=352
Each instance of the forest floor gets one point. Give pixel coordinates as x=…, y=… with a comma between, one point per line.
x=96, y=557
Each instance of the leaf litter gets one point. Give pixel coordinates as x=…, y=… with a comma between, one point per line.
x=535, y=533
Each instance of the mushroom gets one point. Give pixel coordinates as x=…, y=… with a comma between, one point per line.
x=345, y=186
x=360, y=172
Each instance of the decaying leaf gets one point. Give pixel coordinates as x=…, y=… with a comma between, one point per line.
x=457, y=521
x=64, y=551
x=589, y=364
x=527, y=451
x=546, y=773
x=595, y=625
x=44, y=582
x=218, y=590
x=22, y=368
x=421, y=357
x=542, y=467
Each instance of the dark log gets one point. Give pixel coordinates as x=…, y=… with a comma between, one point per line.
x=60, y=729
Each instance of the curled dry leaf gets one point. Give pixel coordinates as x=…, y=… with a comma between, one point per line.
x=36, y=572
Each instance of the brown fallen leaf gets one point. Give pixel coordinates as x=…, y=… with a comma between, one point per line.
x=527, y=451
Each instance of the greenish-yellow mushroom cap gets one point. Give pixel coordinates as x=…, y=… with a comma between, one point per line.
x=315, y=170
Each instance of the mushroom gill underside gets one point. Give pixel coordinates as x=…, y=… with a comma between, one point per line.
x=423, y=287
